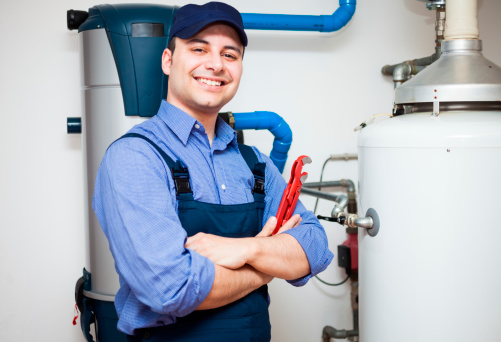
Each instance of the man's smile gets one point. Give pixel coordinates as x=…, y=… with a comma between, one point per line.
x=210, y=82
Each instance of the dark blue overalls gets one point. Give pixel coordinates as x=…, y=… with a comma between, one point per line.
x=246, y=319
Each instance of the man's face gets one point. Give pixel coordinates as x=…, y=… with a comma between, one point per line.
x=205, y=70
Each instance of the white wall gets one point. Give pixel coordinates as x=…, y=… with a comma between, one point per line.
x=322, y=84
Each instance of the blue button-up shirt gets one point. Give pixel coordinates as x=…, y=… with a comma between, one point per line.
x=135, y=202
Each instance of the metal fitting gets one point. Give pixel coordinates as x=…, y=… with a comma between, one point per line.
x=337, y=211
x=434, y=4
x=350, y=220
x=354, y=221
x=440, y=24
x=402, y=72
x=364, y=222
x=344, y=156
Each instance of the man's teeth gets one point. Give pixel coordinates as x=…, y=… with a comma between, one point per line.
x=209, y=82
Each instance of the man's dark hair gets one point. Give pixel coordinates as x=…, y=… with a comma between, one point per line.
x=172, y=45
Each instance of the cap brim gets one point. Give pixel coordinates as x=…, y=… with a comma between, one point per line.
x=192, y=30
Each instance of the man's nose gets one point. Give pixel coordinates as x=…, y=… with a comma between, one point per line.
x=214, y=62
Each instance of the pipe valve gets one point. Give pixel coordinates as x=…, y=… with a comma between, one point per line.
x=369, y=222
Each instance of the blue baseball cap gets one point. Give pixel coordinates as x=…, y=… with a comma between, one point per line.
x=190, y=19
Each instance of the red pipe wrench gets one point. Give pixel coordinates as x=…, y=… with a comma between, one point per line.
x=291, y=193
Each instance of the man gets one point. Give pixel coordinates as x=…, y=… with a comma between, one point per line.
x=181, y=205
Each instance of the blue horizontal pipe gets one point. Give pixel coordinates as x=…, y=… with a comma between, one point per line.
x=321, y=23
x=276, y=125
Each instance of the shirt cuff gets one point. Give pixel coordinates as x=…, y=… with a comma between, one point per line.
x=202, y=279
x=319, y=256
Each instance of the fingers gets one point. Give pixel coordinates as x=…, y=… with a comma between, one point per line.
x=268, y=228
x=193, y=238
x=294, y=221
x=270, y=225
x=298, y=222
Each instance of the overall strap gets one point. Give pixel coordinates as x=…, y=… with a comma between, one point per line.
x=180, y=173
x=258, y=170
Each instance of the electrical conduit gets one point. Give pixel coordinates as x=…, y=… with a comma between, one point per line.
x=286, y=22
x=276, y=125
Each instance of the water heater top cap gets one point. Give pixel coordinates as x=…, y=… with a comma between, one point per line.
x=461, y=74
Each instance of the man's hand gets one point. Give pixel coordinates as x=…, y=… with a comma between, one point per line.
x=270, y=225
x=227, y=252
x=234, y=253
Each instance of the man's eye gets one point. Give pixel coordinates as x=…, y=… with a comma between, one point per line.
x=230, y=56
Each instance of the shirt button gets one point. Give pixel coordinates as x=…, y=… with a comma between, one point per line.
x=197, y=126
x=223, y=186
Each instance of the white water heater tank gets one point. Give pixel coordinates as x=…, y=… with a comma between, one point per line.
x=433, y=174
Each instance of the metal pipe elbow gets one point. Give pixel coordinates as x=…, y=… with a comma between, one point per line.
x=343, y=201
x=350, y=186
x=276, y=125
x=330, y=332
x=402, y=72
x=352, y=196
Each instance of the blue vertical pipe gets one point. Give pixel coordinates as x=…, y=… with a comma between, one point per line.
x=321, y=23
x=276, y=125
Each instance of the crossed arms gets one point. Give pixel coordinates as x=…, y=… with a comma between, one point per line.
x=244, y=264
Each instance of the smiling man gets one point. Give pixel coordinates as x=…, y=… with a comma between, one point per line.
x=188, y=212
x=206, y=73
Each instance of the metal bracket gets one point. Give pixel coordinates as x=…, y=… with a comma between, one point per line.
x=436, y=108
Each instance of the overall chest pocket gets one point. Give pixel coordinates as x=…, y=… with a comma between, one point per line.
x=239, y=220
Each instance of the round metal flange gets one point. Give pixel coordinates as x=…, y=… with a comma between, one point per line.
x=461, y=45
x=375, y=217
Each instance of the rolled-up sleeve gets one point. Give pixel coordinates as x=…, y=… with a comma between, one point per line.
x=135, y=203
x=310, y=233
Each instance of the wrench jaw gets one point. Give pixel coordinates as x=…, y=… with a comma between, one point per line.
x=298, y=165
x=306, y=160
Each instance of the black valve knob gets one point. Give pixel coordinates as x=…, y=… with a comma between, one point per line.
x=340, y=220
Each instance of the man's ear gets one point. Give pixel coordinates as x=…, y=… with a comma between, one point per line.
x=166, y=61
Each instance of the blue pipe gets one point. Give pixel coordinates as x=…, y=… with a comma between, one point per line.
x=321, y=23
x=276, y=125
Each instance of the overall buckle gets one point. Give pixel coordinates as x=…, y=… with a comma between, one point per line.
x=258, y=186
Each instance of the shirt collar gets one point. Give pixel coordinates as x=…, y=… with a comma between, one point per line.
x=177, y=120
x=182, y=124
x=225, y=135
